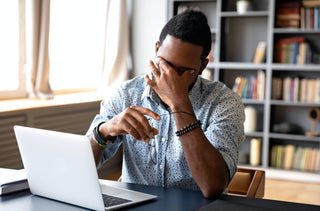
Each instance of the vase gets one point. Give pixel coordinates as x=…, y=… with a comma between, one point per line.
x=243, y=6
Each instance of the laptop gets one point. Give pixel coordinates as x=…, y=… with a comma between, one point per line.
x=61, y=166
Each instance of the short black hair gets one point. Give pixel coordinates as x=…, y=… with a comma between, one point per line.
x=189, y=26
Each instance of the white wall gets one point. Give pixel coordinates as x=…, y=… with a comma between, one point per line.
x=148, y=18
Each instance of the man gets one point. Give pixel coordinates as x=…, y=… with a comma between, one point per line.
x=191, y=127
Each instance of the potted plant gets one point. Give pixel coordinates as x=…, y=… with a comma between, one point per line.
x=243, y=6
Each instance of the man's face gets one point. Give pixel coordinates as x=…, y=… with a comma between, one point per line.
x=184, y=57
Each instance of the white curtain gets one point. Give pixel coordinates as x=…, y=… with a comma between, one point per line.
x=116, y=49
x=37, y=52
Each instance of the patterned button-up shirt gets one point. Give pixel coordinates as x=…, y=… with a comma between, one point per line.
x=162, y=161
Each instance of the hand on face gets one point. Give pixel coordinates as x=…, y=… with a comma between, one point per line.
x=170, y=84
x=133, y=122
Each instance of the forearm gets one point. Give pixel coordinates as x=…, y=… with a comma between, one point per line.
x=206, y=164
x=97, y=150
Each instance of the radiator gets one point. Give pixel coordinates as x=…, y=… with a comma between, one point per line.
x=70, y=118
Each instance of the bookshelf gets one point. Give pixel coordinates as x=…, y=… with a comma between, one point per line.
x=235, y=38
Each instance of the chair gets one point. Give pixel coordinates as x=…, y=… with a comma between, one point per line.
x=248, y=183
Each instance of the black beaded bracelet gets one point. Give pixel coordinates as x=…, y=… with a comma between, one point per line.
x=188, y=128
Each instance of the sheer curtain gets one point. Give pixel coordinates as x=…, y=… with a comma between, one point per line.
x=116, y=47
x=37, y=56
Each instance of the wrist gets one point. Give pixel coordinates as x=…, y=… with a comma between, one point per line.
x=101, y=139
x=184, y=106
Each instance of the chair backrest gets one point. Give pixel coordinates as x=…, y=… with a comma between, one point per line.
x=248, y=182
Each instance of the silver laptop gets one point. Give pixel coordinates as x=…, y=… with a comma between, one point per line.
x=61, y=166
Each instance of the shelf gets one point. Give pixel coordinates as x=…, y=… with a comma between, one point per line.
x=247, y=14
x=254, y=134
x=236, y=37
x=253, y=101
x=283, y=174
x=241, y=65
x=295, y=67
x=288, y=103
x=295, y=31
x=294, y=175
x=212, y=65
x=294, y=137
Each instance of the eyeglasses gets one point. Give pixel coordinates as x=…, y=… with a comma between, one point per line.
x=152, y=142
x=153, y=151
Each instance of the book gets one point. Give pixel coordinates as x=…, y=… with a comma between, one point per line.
x=297, y=158
x=276, y=93
x=296, y=85
x=260, y=53
x=317, y=91
x=311, y=90
x=261, y=81
x=273, y=155
x=287, y=49
x=316, y=18
x=279, y=156
x=286, y=88
x=303, y=90
x=12, y=180
x=288, y=156
x=302, y=18
x=302, y=53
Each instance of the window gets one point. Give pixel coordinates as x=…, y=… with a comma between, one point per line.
x=11, y=55
x=76, y=43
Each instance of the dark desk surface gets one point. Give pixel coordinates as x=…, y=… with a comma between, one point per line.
x=168, y=199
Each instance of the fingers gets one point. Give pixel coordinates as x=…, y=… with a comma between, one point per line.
x=146, y=111
x=150, y=82
x=163, y=65
x=154, y=69
x=137, y=125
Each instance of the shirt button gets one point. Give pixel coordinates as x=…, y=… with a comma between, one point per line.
x=163, y=139
x=161, y=166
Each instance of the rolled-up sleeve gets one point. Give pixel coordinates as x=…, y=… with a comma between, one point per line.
x=225, y=129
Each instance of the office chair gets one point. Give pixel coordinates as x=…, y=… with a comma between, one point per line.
x=248, y=183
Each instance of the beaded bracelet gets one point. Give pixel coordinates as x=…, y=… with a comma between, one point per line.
x=188, y=128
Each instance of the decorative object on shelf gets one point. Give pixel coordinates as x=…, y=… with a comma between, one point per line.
x=288, y=128
x=314, y=115
x=243, y=6
x=250, y=124
x=255, y=151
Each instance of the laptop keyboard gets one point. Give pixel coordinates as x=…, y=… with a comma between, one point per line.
x=112, y=200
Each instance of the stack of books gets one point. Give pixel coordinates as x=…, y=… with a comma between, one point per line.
x=288, y=14
x=252, y=87
x=293, y=50
x=295, y=157
x=12, y=180
x=310, y=18
x=295, y=89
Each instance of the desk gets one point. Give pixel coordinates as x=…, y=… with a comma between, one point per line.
x=168, y=199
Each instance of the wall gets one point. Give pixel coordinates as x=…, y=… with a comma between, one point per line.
x=148, y=18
